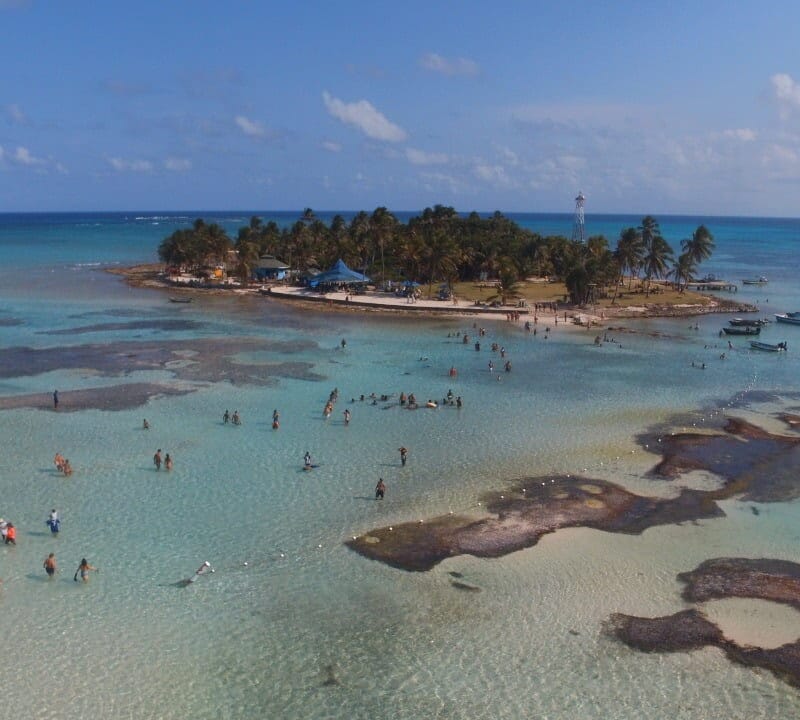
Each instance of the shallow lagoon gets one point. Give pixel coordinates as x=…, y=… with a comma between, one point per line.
x=308, y=628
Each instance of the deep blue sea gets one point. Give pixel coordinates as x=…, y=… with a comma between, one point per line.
x=293, y=624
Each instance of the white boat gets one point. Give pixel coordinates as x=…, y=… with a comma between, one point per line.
x=768, y=347
x=756, y=281
x=793, y=318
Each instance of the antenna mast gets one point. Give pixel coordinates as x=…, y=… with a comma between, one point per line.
x=579, y=227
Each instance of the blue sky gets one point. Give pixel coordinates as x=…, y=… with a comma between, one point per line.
x=681, y=107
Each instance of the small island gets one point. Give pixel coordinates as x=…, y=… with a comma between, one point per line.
x=442, y=261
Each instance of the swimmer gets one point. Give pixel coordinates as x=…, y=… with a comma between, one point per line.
x=58, y=461
x=11, y=534
x=403, y=455
x=145, y=424
x=275, y=415
x=235, y=419
x=168, y=462
x=346, y=417
x=202, y=570
x=84, y=568
x=49, y=565
x=226, y=416
x=344, y=343
x=380, y=489
x=66, y=468
x=157, y=459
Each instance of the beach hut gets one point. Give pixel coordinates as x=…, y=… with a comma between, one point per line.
x=339, y=275
x=270, y=268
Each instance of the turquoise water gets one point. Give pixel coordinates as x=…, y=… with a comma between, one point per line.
x=262, y=639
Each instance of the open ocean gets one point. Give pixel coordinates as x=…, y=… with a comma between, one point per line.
x=307, y=628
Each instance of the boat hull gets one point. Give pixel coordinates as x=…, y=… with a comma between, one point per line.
x=789, y=318
x=767, y=347
x=741, y=330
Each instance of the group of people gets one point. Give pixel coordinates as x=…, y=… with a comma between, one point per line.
x=157, y=460
x=8, y=533
x=62, y=464
x=328, y=410
x=51, y=567
x=235, y=418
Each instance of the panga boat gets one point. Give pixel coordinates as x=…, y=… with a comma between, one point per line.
x=180, y=299
x=756, y=281
x=769, y=347
x=743, y=330
x=747, y=322
x=793, y=318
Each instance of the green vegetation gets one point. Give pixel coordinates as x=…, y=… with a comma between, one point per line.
x=441, y=246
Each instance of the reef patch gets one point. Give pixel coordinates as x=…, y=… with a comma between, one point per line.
x=764, y=579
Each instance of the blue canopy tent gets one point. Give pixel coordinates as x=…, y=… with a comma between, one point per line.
x=339, y=274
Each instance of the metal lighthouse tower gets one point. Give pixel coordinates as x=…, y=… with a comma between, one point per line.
x=579, y=228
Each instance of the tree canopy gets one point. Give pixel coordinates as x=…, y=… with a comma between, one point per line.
x=442, y=246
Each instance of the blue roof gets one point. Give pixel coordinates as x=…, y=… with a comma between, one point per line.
x=339, y=273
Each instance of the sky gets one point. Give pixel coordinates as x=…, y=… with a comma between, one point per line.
x=645, y=107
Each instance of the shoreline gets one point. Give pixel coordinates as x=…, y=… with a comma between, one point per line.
x=151, y=276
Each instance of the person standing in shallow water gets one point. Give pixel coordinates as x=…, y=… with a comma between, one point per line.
x=55, y=399
x=380, y=489
x=84, y=568
x=49, y=565
x=403, y=455
x=157, y=459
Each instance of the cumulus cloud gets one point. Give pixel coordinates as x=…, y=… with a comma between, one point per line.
x=331, y=146
x=420, y=157
x=250, y=127
x=364, y=116
x=743, y=134
x=787, y=91
x=493, y=174
x=176, y=164
x=22, y=156
x=122, y=165
x=445, y=66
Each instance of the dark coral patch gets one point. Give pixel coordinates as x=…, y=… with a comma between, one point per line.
x=763, y=579
x=115, y=397
x=200, y=360
x=754, y=463
x=521, y=515
x=775, y=580
x=686, y=630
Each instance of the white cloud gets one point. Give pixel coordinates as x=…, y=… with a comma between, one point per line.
x=121, y=165
x=364, y=116
x=250, y=127
x=445, y=66
x=420, y=157
x=22, y=156
x=331, y=146
x=177, y=164
x=494, y=174
x=743, y=134
x=787, y=91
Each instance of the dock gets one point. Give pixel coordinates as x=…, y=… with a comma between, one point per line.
x=712, y=286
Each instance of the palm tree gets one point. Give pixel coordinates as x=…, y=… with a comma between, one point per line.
x=383, y=225
x=508, y=287
x=683, y=270
x=630, y=251
x=658, y=254
x=247, y=254
x=700, y=246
